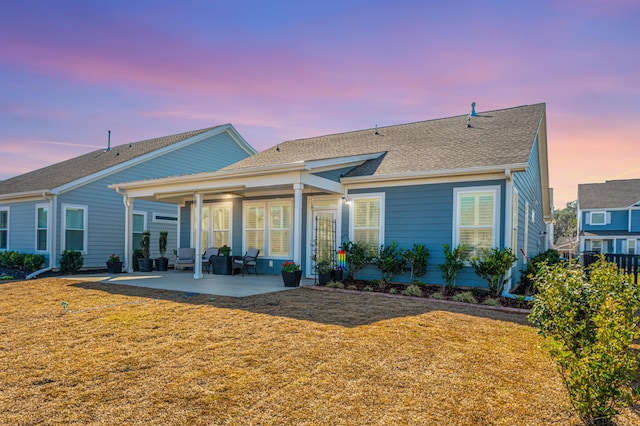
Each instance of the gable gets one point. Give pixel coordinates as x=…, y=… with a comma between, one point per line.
x=612, y=194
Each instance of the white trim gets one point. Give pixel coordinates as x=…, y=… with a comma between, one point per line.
x=335, y=203
x=598, y=212
x=85, y=218
x=339, y=162
x=381, y=218
x=8, y=210
x=457, y=192
x=265, y=251
x=525, y=244
x=48, y=228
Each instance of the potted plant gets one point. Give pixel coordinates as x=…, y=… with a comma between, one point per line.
x=291, y=274
x=162, y=263
x=145, y=263
x=137, y=254
x=114, y=265
x=225, y=250
x=324, y=271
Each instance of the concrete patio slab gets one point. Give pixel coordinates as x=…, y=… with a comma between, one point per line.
x=218, y=285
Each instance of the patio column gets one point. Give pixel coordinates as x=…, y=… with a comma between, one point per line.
x=197, y=267
x=128, y=233
x=297, y=222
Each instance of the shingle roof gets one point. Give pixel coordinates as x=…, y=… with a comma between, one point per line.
x=610, y=194
x=67, y=171
x=496, y=138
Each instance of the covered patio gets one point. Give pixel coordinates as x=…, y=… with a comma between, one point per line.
x=217, y=285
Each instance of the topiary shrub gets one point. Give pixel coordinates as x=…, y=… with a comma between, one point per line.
x=452, y=264
x=71, y=261
x=590, y=323
x=389, y=261
x=416, y=258
x=358, y=256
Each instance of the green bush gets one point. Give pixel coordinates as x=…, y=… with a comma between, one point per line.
x=590, y=324
x=491, y=302
x=437, y=295
x=71, y=261
x=527, y=283
x=389, y=261
x=358, y=256
x=416, y=258
x=33, y=262
x=413, y=290
x=452, y=264
x=16, y=260
x=492, y=266
x=466, y=297
x=335, y=284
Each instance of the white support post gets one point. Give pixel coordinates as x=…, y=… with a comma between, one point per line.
x=297, y=222
x=128, y=234
x=197, y=267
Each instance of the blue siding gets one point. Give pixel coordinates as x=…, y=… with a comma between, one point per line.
x=527, y=184
x=423, y=214
x=635, y=220
x=619, y=221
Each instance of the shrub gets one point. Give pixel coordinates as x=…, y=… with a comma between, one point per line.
x=437, y=295
x=527, y=283
x=389, y=261
x=145, y=244
x=416, y=258
x=71, y=261
x=16, y=260
x=492, y=266
x=452, y=264
x=358, y=255
x=6, y=277
x=368, y=288
x=393, y=291
x=590, y=324
x=413, y=290
x=335, y=284
x=466, y=297
x=33, y=262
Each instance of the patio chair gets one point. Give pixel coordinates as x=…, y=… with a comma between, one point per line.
x=186, y=258
x=206, y=257
x=250, y=259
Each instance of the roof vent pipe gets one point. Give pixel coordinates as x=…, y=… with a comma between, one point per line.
x=109, y=140
x=473, y=110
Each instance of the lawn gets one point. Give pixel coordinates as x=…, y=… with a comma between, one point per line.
x=126, y=355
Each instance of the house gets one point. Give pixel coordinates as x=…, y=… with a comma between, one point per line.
x=474, y=179
x=609, y=216
x=68, y=205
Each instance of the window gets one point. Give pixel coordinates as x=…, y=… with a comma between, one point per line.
x=598, y=218
x=75, y=228
x=42, y=225
x=596, y=246
x=221, y=216
x=267, y=226
x=367, y=219
x=139, y=225
x=631, y=246
x=167, y=218
x=476, y=218
x=4, y=229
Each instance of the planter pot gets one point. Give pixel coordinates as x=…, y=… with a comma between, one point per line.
x=114, y=267
x=221, y=265
x=337, y=275
x=162, y=264
x=291, y=279
x=323, y=279
x=146, y=265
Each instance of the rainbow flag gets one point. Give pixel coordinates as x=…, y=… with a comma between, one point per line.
x=342, y=260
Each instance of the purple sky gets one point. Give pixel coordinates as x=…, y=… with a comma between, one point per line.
x=70, y=70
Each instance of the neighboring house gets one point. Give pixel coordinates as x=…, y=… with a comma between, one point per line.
x=479, y=180
x=609, y=216
x=567, y=246
x=68, y=205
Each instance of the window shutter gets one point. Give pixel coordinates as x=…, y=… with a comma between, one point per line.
x=588, y=218
x=608, y=219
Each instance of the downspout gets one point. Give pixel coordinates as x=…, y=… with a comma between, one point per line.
x=51, y=242
x=508, y=177
x=127, y=231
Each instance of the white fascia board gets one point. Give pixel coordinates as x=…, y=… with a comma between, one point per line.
x=452, y=173
x=426, y=181
x=240, y=140
x=146, y=157
x=26, y=196
x=322, y=183
x=334, y=163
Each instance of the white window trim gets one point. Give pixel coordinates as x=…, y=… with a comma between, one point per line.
x=381, y=196
x=267, y=211
x=604, y=213
x=634, y=245
x=209, y=206
x=457, y=192
x=85, y=216
x=144, y=220
x=8, y=210
x=43, y=206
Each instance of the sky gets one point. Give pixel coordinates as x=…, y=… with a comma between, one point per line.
x=70, y=70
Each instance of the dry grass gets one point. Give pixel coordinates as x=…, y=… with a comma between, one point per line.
x=124, y=355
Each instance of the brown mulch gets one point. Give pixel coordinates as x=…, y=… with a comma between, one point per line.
x=129, y=355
